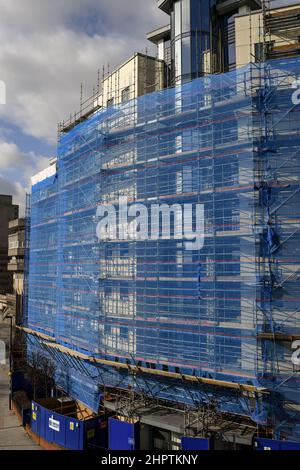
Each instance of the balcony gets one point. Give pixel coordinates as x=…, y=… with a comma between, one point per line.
x=16, y=243
x=16, y=252
x=227, y=6
x=16, y=225
x=158, y=34
x=15, y=265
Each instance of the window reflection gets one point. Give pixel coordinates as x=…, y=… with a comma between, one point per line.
x=186, y=55
x=194, y=39
x=177, y=13
x=186, y=16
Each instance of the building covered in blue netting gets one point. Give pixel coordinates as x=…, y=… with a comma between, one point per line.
x=188, y=326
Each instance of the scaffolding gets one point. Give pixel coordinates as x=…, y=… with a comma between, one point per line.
x=189, y=327
x=282, y=30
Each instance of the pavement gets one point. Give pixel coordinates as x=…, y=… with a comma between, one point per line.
x=12, y=433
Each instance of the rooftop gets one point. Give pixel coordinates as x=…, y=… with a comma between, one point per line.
x=165, y=5
x=224, y=6
x=5, y=197
x=160, y=33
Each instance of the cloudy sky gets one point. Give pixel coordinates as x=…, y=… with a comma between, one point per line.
x=47, y=48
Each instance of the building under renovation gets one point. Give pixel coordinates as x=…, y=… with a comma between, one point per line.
x=187, y=342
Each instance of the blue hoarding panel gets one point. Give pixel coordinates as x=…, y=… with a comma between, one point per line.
x=96, y=433
x=68, y=432
x=195, y=443
x=103, y=434
x=123, y=435
x=49, y=432
x=272, y=444
x=35, y=418
x=57, y=424
x=74, y=434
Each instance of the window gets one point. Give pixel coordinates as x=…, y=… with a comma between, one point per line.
x=177, y=10
x=186, y=23
x=178, y=59
x=231, y=54
x=126, y=94
x=186, y=56
x=110, y=102
x=259, y=50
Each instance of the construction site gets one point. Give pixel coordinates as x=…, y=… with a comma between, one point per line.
x=186, y=347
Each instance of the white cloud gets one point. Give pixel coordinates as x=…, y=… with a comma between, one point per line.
x=9, y=155
x=47, y=48
x=48, y=89
x=16, y=190
x=12, y=158
x=16, y=168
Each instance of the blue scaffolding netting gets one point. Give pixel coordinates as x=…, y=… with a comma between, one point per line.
x=228, y=311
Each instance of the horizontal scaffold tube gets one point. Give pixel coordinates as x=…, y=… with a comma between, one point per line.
x=285, y=337
x=35, y=333
x=119, y=365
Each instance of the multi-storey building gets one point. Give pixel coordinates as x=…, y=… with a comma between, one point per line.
x=16, y=253
x=199, y=35
x=204, y=37
x=188, y=342
x=8, y=212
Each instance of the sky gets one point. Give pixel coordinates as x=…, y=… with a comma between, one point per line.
x=47, y=48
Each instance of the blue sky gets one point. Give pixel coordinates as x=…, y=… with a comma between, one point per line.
x=47, y=48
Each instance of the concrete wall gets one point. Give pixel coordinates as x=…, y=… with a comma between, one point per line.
x=249, y=31
x=139, y=75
